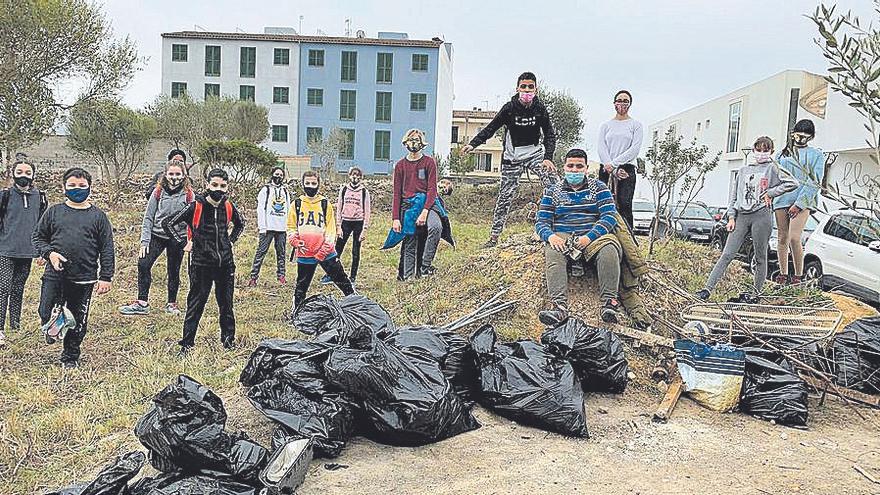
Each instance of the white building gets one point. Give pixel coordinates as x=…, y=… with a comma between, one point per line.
x=771, y=107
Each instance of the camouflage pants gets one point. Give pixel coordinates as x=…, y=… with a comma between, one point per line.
x=510, y=174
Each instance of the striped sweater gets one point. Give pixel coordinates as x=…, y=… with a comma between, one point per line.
x=587, y=211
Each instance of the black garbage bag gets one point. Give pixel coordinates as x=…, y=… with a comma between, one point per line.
x=113, y=478
x=524, y=382
x=595, y=353
x=856, y=353
x=353, y=319
x=184, y=431
x=405, y=397
x=807, y=350
x=450, y=350
x=183, y=484
x=272, y=355
x=772, y=389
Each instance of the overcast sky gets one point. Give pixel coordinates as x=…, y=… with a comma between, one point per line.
x=671, y=55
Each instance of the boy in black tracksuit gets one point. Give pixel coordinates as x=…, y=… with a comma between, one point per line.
x=77, y=239
x=211, y=259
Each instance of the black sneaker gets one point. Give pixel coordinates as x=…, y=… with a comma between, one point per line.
x=184, y=351
x=553, y=317
x=609, y=311
x=492, y=242
x=702, y=294
x=229, y=344
x=49, y=339
x=744, y=298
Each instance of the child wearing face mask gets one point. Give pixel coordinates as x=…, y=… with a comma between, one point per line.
x=76, y=239
x=792, y=209
x=273, y=207
x=212, y=260
x=312, y=227
x=20, y=208
x=353, y=206
x=172, y=193
x=748, y=213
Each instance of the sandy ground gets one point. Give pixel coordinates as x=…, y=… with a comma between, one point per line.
x=697, y=452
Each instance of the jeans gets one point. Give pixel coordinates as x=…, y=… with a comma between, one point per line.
x=280, y=241
x=145, y=267
x=623, y=191
x=77, y=298
x=434, y=227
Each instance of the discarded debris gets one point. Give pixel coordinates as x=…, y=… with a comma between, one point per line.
x=712, y=375
x=772, y=390
x=595, y=353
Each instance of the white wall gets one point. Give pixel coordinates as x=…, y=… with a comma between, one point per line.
x=267, y=77
x=445, y=100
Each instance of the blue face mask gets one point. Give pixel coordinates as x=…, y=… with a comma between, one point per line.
x=574, y=178
x=78, y=195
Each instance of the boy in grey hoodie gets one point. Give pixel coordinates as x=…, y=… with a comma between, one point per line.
x=749, y=213
x=171, y=194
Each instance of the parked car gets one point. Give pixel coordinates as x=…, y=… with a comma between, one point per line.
x=717, y=212
x=643, y=213
x=746, y=252
x=689, y=221
x=844, y=254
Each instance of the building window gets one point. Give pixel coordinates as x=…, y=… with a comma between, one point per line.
x=420, y=62
x=281, y=94
x=178, y=89
x=315, y=97
x=384, y=67
x=455, y=134
x=699, y=126
x=484, y=162
x=316, y=58
x=212, y=60
x=248, y=61
x=418, y=102
x=281, y=56
x=347, y=104
x=246, y=92
x=347, y=151
x=349, y=66
x=733, y=127
x=383, y=106
x=279, y=133
x=179, y=53
x=212, y=90
x=314, y=135
x=382, y=147
x=707, y=124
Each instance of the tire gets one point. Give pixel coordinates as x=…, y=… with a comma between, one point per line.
x=813, y=270
x=716, y=243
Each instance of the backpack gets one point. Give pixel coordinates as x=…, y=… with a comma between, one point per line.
x=297, y=205
x=363, y=195
x=197, y=217
x=4, y=204
x=190, y=194
x=266, y=203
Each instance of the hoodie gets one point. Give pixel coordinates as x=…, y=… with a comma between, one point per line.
x=312, y=234
x=273, y=206
x=212, y=241
x=166, y=205
x=522, y=138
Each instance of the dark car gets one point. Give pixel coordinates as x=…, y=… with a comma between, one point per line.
x=746, y=252
x=691, y=221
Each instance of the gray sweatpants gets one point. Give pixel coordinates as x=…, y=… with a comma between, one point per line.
x=556, y=271
x=760, y=225
x=510, y=174
x=411, y=243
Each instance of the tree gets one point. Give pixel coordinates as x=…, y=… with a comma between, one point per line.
x=458, y=163
x=674, y=166
x=565, y=114
x=326, y=150
x=45, y=46
x=189, y=124
x=853, y=52
x=245, y=162
x=114, y=136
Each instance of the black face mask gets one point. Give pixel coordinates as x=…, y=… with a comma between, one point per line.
x=310, y=191
x=23, y=181
x=277, y=180
x=354, y=180
x=216, y=195
x=414, y=148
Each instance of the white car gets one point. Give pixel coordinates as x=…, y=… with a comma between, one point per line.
x=643, y=215
x=843, y=253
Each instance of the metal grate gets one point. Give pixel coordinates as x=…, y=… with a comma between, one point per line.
x=765, y=320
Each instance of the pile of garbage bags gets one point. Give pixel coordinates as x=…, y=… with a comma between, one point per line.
x=856, y=355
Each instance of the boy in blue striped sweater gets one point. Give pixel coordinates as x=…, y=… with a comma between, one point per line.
x=574, y=213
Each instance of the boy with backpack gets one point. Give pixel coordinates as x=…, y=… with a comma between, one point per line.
x=77, y=239
x=273, y=207
x=353, y=219
x=212, y=261
x=21, y=206
x=312, y=228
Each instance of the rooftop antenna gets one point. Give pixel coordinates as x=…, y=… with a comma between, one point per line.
x=301, y=23
x=348, y=27
x=320, y=32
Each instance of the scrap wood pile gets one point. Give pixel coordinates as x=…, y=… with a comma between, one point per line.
x=362, y=375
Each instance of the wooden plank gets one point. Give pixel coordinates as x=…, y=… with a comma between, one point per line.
x=854, y=395
x=664, y=410
x=643, y=337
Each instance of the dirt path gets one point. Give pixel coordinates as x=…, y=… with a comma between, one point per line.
x=697, y=452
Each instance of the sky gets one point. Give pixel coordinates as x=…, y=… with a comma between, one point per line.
x=671, y=54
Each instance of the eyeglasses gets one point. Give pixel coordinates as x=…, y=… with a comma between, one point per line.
x=526, y=86
x=622, y=101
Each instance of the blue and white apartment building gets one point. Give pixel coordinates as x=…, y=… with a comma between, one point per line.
x=372, y=89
